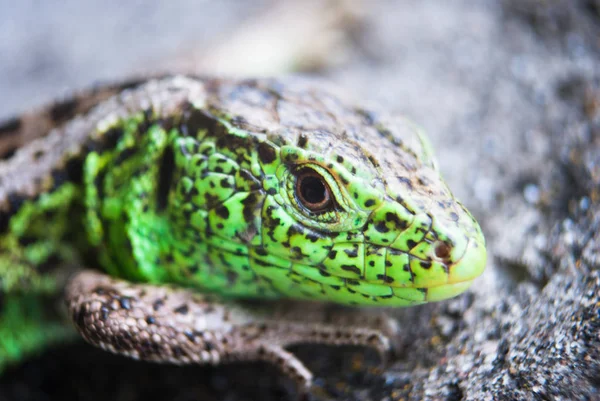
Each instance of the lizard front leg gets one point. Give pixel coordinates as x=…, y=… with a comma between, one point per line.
x=165, y=324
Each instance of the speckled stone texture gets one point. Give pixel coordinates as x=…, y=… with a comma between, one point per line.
x=509, y=92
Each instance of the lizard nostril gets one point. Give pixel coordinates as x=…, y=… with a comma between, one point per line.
x=442, y=250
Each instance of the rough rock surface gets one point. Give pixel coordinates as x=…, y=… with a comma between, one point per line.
x=510, y=94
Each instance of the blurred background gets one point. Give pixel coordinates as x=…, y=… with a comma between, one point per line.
x=507, y=91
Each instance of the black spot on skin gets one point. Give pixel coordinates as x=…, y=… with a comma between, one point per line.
x=196, y=120
x=312, y=237
x=100, y=291
x=272, y=191
x=297, y=253
x=411, y=244
x=111, y=137
x=189, y=335
x=74, y=170
x=38, y=154
x=59, y=177
x=350, y=268
x=52, y=263
x=266, y=153
x=211, y=200
x=238, y=121
x=369, y=202
x=125, y=154
x=372, y=263
x=250, y=203
x=294, y=230
x=332, y=254
x=4, y=219
x=352, y=253
x=222, y=211
x=339, y=159
x=177, y=352
x=63, y=111
x=425, y=264
x=104, y=311
x=373, y=161
x=146, y=122
x=232, y=277
x=405, y=181
x=26, y=240
x=147, y=349
x=165, y=178
x=125, y=303
x=386, y=279
x=226, y=141
x=393, y=218
x=183, y=309
x=225, y=183
x=324, y=273
x=15, y=201
x=156, y=305
x=262, y=263
x=150, y=319
x=261, y=251
x=381, y=227
x=302, y=141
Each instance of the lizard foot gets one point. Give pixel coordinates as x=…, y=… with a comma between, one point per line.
x=179, y=326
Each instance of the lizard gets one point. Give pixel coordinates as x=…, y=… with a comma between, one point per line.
x=183, y=219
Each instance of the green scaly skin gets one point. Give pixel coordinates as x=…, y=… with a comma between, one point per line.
x=202, y=193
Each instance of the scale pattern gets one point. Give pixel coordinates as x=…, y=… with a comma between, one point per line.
x=193, y=182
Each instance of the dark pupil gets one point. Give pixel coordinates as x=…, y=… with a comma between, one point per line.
x=312, y=190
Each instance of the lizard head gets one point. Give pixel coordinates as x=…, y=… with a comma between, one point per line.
x=392, y=231
x=353, y=208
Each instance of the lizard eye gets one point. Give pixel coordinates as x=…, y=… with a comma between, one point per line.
x=312, y=191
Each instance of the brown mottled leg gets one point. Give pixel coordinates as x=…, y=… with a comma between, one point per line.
x=165, y=324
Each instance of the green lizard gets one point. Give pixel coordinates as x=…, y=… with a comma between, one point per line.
x=237, y=190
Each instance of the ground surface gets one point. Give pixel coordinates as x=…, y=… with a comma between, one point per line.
x=510, y=94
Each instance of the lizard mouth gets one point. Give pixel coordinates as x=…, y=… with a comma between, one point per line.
x=457, y=278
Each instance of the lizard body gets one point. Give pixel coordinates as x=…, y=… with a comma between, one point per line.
x=239, y=189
